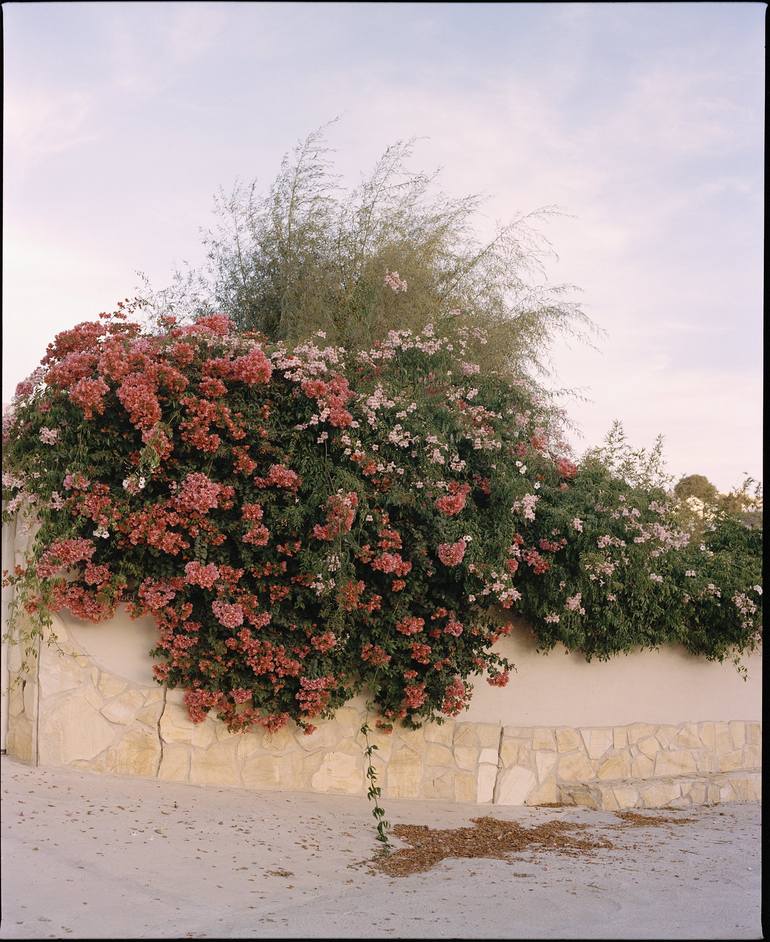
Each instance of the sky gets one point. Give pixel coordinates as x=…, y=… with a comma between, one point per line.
x=642, y=123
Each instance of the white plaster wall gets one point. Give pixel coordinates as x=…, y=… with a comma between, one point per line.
x=554, y=689
x=664, y=686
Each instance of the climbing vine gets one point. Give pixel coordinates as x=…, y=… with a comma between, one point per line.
x=306, y=523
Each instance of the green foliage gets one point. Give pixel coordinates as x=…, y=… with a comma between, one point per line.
x=696, y=485
x=309, y=255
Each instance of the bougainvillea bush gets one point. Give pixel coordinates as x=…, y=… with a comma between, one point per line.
x=304, y=524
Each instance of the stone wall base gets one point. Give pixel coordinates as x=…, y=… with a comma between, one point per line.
x=72, y=713
x=678, y=792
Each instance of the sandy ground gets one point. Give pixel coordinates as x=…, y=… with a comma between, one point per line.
x=87, y=856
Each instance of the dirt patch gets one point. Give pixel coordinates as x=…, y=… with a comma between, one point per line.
x=489, y=838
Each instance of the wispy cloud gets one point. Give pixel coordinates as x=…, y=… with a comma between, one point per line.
x=643, y=122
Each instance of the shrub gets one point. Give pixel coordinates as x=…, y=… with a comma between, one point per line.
x=309, y=254
x=305, y=523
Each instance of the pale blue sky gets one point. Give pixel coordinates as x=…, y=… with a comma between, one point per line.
x=644, y=122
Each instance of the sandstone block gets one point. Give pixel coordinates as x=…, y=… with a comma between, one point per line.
x=91, y=695
x=619, y=737
x=123, y=708
x=437, y=754
x=465, y=735
x=637, y=731
x=55, y=678
x=545, y=762
x=687, y=737
x=15, y=700
x=649, y=747
x=413, y=738
x=514, y=785
x=175, y=764
x=567, y=739
x=175, y=724
x=580, y=795
x=109, y=685
x=724, y=739
x=545, y=794
x=706, y=761
x=261, y=771
x=543, y=739
x=204, y=734
x=614, y=767
x=72, y=730
x=642, y=767
x=465, y=786
x=443, y=734
x=752, y=757
x=175, y=695
x=754, y=734
x=150, y=714
x=626, y=796
x=597, y=741
x=738, y=733
x=137, y=753
x=439, y=785
x=666, y=735
x=517, y=732
x=743, y=789
x=707, y=733
x=606, y=798
x=675, y=762
x=485, y=783
x=404, y=778
x=574, y=767
x=731, y=761
x=280, y=740
x=696, y=792
x=217, y=765
x=489, y=756
x=659, y=794
x=489, y=735
x=713, y=793
x=515, y=752
x=466, y=757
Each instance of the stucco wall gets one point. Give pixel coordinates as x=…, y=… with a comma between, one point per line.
x=553, y=689
x=649, y=729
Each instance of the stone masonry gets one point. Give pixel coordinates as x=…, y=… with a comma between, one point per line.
x=67, y=712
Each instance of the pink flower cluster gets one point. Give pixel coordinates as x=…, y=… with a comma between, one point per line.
x=455, y=697
x=375, y=654
x=332, y=396
x=314, y=694
x=392, y=563
x=278, y=475
x=63, y=553
x=453, y=502
x=231, y=616
x=203, y=576
x=253, y=368
x=340, y=514
x=138, y=395
x=257, y=534
x=198, y=493
x=411, y=625
x=89, y=395
x=452, y=554
x=49, y=436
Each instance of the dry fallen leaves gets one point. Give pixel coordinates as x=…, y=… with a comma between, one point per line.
x=493, y=838
x=489, y=838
